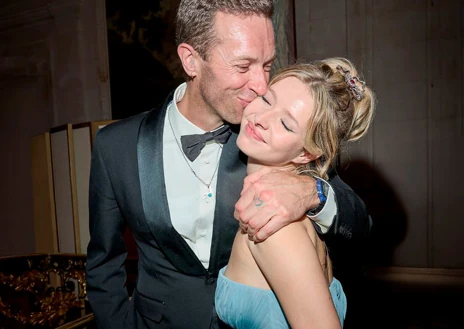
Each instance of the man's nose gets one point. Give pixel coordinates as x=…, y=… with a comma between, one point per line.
x=258, y=81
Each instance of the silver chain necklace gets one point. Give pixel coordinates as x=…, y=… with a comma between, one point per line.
x=208, y=195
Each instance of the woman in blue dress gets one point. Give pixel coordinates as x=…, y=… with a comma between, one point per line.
x=286, y=281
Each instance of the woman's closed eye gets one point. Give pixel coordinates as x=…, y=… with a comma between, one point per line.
x=286, y=127
x=265, y=100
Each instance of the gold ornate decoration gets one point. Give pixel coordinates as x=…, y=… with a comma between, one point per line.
x=56, y=284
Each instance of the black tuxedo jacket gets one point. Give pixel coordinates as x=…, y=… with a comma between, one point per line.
x=127, y=187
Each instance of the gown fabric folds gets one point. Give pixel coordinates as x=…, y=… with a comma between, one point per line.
x=247, y=307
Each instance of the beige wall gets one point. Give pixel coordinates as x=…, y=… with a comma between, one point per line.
x=53, y=70
x=408, y=169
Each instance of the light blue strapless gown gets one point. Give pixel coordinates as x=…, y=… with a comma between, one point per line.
x=247, y=307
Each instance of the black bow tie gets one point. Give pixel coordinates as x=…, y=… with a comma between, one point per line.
x=193, y=144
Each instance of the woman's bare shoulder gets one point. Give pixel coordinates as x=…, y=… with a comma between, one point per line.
x=292, y=233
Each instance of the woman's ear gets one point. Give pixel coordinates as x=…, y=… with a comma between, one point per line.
x=187, y=56
x=305, y=157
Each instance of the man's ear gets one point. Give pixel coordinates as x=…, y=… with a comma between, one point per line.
x=188, y=58
x=305, y=157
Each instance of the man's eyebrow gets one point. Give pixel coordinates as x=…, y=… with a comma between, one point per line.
x=253, y=59
x=245, y=58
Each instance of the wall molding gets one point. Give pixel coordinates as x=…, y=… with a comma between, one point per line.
x=103, y=59
x=439, y=277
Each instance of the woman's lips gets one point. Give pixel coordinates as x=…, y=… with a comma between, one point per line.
x=251, y=131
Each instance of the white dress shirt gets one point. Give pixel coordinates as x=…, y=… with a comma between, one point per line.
x=191, y=209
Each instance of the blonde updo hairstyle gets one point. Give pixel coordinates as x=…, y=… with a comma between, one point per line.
x=337, y=116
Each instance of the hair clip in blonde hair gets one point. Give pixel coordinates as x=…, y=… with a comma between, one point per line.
x=357, y=92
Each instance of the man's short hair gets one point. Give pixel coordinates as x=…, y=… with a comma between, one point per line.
x=195, y=19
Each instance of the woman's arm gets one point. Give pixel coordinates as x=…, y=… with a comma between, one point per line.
x=288, y=260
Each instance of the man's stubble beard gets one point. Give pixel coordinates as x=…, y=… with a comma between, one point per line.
x=219, y=103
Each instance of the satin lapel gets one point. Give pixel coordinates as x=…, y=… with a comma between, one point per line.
x=153, y=191
x=232, y=170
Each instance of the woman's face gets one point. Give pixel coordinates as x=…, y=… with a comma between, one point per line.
x=273, y=126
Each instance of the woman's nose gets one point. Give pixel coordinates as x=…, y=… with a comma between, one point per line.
x=262, y=120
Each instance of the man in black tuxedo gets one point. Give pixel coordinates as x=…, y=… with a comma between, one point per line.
x=178, y=193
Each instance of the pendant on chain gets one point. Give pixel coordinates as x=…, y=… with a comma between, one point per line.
x=208, y=195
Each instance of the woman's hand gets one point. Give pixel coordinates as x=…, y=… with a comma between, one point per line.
x=271, y=200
